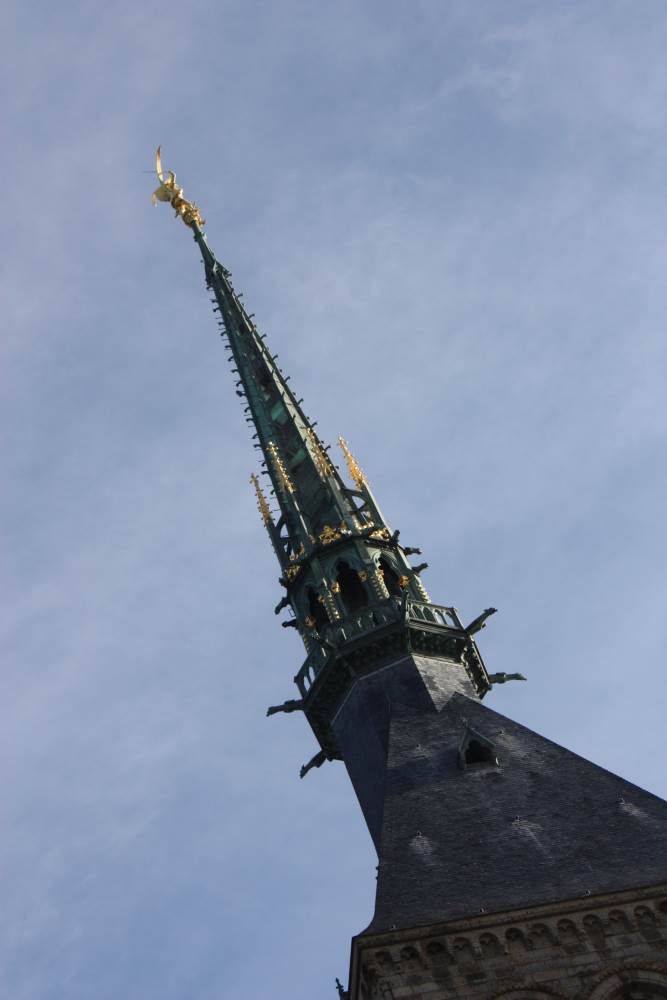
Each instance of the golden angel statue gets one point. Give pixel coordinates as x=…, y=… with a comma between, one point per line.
x=171, y=192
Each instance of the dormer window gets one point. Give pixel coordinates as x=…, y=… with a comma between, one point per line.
x=476, y=751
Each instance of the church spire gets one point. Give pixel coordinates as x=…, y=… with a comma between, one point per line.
x=346, y=575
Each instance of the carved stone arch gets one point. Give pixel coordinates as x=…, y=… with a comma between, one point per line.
x=517, y=944
x=638, y=980
x=619, y=922
x=569, y=935
x=647, y=922
x=437, y=951
x=541, y=935
x=463, y=950
x=594, y=931
x=384, y=959
x=411, y=958
x=645, y=916
x=490, y=946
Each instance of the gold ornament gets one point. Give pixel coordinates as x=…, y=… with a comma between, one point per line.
x=328, y=535
x=320, y=456
x=353, y=466
x=382, y=534
x=262, y=503
x=279, y=467
x=171, y=192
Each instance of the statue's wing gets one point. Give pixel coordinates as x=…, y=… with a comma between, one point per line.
x=158, y=165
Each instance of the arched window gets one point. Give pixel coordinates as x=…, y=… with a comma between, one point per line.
x=490, y=946
x=390, y=578
x=594, y=930
x=437, y=951
x=541, y=936
x=352, y=591
x=516, y=942
x=316, y=609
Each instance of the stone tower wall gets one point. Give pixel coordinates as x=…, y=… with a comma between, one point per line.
x=607, y=948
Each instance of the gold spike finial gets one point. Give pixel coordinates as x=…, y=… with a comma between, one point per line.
x=262, y=503
x=355, y=472
x=171, y=192
x=320, y=456
x=280, y=469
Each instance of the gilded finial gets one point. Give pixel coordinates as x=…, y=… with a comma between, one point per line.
x=280, y=469
x=262, y=503
x=171, y=192
x=355, y=472
x=319, y=454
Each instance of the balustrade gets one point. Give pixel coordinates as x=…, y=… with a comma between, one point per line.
x=368, y=620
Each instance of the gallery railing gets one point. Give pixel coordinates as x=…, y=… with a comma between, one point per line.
x=368, y=620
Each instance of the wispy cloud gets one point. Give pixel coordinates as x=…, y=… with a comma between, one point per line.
x=450, y=224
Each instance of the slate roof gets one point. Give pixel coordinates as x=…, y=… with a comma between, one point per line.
x=544, y=825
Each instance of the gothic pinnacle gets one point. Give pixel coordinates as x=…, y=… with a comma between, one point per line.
x=279, y=467
x=320, y=456
x=262, y=503
x=352, y=464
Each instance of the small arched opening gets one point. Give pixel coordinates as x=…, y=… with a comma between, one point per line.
x=316, y=609
x=390, y=578
x=352, y=591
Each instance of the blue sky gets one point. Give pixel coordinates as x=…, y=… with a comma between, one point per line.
x=449, y=218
